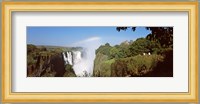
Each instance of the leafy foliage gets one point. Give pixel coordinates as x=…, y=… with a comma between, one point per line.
x=161, y=35
x=104, y=49
x=135, y=66
x=143, y=45
x=130, y=59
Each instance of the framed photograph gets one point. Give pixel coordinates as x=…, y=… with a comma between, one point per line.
x=100, y=52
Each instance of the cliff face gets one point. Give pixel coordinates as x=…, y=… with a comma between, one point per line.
x=102, y=66
x=44, y=63
x=57, y=65
x=41, y=66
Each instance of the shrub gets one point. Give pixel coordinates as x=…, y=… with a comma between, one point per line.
x=135, y=66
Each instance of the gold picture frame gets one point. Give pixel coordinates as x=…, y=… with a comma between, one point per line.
x=9, y=96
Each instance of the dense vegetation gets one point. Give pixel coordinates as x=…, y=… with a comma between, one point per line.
x=47, y=61
x=149, y=56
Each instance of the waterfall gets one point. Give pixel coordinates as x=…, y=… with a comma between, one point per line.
x=76, y=57
x=65, y=58
x=72, y=57
x=80, y=62
x=68, y=58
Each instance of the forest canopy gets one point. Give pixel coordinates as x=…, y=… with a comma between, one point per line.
x=146, y=56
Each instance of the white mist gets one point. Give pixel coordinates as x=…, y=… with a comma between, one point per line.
x=87, y=61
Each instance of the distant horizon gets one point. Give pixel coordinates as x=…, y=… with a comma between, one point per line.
x=50, y=45
x=71, y=46
x=62, y=36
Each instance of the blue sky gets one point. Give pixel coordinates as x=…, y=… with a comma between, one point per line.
x=68, y=36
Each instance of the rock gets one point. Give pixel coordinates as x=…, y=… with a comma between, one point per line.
x=58, y=65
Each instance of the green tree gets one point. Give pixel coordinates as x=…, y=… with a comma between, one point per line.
x=140, y=46
x=114, y=53
x=31, y=48
x=104, y=49
x=161, y=35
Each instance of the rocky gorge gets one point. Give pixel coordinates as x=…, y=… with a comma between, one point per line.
x=52, y=62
